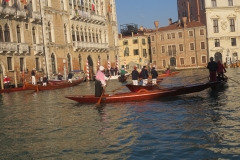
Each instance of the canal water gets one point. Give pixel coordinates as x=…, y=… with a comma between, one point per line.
x=45, y=125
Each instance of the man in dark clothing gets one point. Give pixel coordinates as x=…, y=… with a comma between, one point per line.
x=144, y=75
x=135, y=76
x=212, y=67
x=154, y=76
x=112, y=71
x=70, y=75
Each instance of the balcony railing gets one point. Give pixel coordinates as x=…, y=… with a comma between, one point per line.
x=86, y=16
x=23, y=48
x=38, y=49
x=21, y=14
x=89, y=45
x=8, y=47
x=36, y=17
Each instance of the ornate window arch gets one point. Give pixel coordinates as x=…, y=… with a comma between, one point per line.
x=18, y=34
x=69, y=62
x=7, y=33
x=34, y=35
x=53, y=62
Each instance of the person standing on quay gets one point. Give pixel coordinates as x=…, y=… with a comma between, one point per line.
x=135, y=76
x=144, y=75
x=33, y=74
x=154, y=76
x=100, y=81
x=212, y=67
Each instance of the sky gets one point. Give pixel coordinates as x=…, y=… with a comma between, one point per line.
x=145, y=12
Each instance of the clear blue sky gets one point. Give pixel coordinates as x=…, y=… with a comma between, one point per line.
x=145, y=12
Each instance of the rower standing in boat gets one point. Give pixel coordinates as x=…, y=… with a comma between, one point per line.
x=33, y=74
x=144, y=75
x=212, y=67
x=6, y=82
x=220, y=71
x=154, y=76
x=135, y=76
x=70, y=75
x=45, y=80
x=100, y=81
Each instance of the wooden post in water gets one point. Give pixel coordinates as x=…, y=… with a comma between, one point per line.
x=15, y=78
x=1, y=79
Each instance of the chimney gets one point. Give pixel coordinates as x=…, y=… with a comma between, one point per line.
x=184, y=21
x=170, y=21
x=156, y=23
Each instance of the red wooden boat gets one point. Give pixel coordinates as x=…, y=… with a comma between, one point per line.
x=53, y=86
x=142, y=94
x=8, y=90
x=168, y=75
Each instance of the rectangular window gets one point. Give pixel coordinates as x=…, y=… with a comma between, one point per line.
x=193, y=61
x=170, y=50
x=26, y=25
x=182, y=61
x=181, y=47
x=204, y=59
x=233, y=41
x=232, y=25
x=144, y=53
x=37, y=64
x=179, y=34
x=192, y=46
x=135, y=41
x=169, y=36
x=125, y=42
x=152, y=38
x=190, y=33
x=163, y=49
x=143, y=41
x=202, y=45
x=164, y=63
x=162, y=36
x=153, y=50
x=21, y=64
x=9, y=63
x=201, y=32
x=215, y=26
x=174, y=51
x=126, y=51
x=173, y=35
x=214, y=3
x=230, y=2
x=217, y=43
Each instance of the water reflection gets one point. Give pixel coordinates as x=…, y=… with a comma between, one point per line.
x=46, y=125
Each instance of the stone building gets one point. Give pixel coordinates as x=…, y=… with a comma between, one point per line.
x=179, y=45
x=133, y=49
x=192, y=9
x=57, y=36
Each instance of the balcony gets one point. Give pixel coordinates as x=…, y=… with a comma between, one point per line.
x=8, y=47
x=21, y=14
x=89, y=46
x=86, y=17
x=23, y=48
x=36, y=17
x=8, y=11
x=38, y=49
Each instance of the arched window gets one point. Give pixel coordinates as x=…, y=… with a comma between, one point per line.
x=82, y=37
x=89, y=34
x=73, y=34
x=53, y=63
x=18, y=34
x=65, y=33
x=33, y=35
x=97, y=38
x=1, y=34
x=86, y=40
x=93, y=37
x=6, y=33
x=100, y=37
x=78, y=37
x=49, y=32
x=80, y=61
x=69, y=62
x=62, y=4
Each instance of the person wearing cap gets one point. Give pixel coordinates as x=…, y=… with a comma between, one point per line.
x=6, y=82
x=135, y=76
x=100, y=81
x=154, y=76
x=33, y=74
x=60, y=76
x=144, y=75
x=45, y=80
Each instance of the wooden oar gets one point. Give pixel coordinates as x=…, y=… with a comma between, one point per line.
x=99, y=101
x=234, y=80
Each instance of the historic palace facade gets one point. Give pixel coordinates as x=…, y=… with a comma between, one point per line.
x=57, y=36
